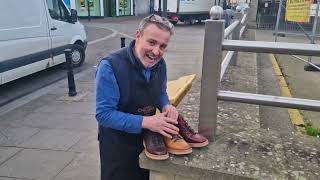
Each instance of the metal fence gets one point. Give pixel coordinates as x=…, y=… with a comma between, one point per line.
x=213, y=68
x=267, y=18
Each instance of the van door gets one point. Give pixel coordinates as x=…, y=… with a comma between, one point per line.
x=24, y=38
x=61, y=32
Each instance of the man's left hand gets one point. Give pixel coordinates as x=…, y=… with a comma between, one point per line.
x=171, y=110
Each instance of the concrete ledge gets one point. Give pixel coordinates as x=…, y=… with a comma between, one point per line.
x=255, y=154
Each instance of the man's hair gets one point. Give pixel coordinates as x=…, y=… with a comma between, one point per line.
x=160, y=22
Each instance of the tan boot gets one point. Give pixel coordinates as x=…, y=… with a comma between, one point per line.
x=177, y=145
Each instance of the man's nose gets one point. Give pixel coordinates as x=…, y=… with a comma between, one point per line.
x=156, y=51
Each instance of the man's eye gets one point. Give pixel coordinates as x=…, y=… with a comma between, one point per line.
x=163, y=46
x=152, y=43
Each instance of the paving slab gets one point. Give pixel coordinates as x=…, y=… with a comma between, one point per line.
x=7, y=152
x=76, y=171
x=13, y=136
x=53, y=139
x=5, y=178
x=13, y=119
x=87, y=143
x=36, y=103
x=62, y=120
x=36, y=164
x=70, y=107
x=88, y=158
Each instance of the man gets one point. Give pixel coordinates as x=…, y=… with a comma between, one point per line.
x=130, y=85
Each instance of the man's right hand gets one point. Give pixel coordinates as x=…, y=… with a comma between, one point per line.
x=161, y=124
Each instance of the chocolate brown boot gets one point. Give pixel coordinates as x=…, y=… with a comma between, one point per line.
x=177, y=145
x=188, y=134
x=154, y=146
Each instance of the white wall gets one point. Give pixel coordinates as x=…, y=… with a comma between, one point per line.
x=142, y=7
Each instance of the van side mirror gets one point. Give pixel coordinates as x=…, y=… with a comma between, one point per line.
x=73, y=16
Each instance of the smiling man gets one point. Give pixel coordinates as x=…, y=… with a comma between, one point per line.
x=130, y=85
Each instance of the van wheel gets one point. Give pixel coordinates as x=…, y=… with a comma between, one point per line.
x=77, y=55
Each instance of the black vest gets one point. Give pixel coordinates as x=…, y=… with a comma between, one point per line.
x=137, y=96
x=120, y=150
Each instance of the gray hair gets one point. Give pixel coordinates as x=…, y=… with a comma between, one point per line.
x=161, y=22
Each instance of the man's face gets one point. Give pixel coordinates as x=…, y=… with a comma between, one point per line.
x=151, y=44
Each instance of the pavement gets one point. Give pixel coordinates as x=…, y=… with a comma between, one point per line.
x=47, y=135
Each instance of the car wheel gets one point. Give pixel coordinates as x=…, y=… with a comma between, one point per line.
x=77, y=55
x=174, y=22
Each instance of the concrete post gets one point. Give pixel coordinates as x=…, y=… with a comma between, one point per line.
x=236, y=36
x=211, y=68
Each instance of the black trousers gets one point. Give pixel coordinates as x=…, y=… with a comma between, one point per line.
x=119, y=155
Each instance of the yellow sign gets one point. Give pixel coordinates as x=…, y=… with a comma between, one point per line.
x=298, y=10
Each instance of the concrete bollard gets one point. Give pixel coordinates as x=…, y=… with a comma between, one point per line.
x=71, y=84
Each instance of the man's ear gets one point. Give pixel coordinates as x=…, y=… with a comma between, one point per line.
x=138, y=34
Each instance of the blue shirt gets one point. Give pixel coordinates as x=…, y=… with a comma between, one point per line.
x=107, y=99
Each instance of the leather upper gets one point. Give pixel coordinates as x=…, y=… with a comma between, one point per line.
x=154, y=143
x=188, y=133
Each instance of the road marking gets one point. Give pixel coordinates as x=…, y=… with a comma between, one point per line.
x=294, y=114
x=114, y=33
x=102, y=39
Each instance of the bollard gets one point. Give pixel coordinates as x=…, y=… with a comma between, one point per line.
x=123, y=42
x=89, y=17
x=71, y=84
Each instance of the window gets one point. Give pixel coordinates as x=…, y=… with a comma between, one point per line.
x=57, y=10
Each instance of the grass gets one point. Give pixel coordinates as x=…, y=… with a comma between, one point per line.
x=311, y=131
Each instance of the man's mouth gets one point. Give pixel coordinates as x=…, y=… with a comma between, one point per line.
x=151, y=57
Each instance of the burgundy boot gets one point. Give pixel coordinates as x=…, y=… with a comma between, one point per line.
x=154, y=146
x=188, y=134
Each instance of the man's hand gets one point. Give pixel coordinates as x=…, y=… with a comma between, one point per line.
x=160, y=123
x=171, y=110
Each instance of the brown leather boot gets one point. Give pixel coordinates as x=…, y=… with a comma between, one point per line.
x=188, y=134
x=177, y=145
x=154, y=146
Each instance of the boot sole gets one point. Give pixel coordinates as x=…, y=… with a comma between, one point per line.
x=153, y=156
x=179, y=152
x=156, y=157
x=198, y=145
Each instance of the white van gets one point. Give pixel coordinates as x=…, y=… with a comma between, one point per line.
x=34, y=35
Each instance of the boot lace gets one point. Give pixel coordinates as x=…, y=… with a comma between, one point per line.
x=185, y=126
x=176, y=137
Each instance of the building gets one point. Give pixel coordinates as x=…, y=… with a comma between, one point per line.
x=110, y=8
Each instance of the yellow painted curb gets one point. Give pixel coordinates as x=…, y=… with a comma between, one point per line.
x=177, y=89
x=294, y=114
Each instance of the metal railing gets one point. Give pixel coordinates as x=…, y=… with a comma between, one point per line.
x=213, y=68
